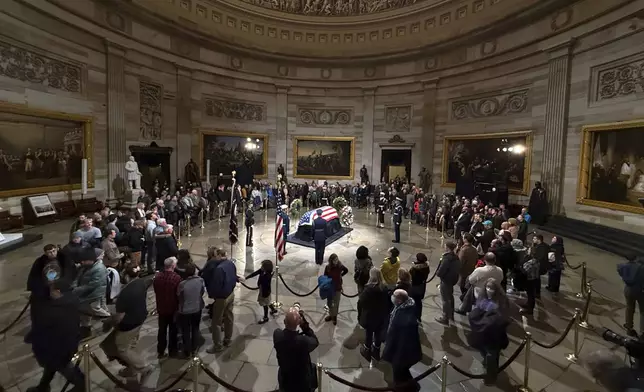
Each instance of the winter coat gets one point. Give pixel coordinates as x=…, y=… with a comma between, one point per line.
x=91, y=283
x=389, y=269
x=419, y=273
x=489, y=329
x=449, y=269
x=55, y=331
x=403, y=348
x=468, y=256
x=374, y=307
x=361, y=270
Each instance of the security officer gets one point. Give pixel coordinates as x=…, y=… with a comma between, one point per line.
x=319, y=237
x=249, y=222
x=380, y=210
x=398, y=213
x=286, y=222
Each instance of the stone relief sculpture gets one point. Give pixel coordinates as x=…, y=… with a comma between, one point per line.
x=623, y=80
x=495, y=105
x=133, y=174
x=332, y=7
x=324, y=116
x=151, y=120
x=398, y=118
x=27, y=66
x=234, y=110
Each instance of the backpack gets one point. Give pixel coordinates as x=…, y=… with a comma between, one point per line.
x=326, y=286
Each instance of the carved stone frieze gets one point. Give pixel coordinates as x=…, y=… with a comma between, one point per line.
x=21, y=64
x=151, y=117
x=234, y=110
x=398, y=118
x=332, y=7
x=309, y=116
x=490, y=106
x=622, y=80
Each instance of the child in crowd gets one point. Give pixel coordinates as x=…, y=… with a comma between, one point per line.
x=265, y=274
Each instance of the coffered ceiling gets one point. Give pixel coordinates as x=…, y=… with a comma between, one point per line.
x=340, y=31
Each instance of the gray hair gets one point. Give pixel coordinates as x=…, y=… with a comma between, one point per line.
x=375, y=278
x=169, y=262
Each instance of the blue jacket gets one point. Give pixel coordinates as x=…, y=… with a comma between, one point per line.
x=286, y=223
x=91, y=284
x=319, y=229
x=220, y=277
x=326, y=286
x=632, y=273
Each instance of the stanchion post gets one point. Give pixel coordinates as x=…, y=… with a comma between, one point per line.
x=444, y=365
x=277, y=304
x=526, y=363
x=202, y=225
x=196, y=365
x=584, y=316
x=85, y=354
x=188, y=225
x=320, y=373
x=584, y=276
x=572, y=357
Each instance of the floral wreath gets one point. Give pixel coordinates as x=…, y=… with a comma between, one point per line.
x=347, y=216
x=339, y=203
x=296, y=207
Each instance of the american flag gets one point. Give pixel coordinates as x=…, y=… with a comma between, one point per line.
x=232, y=228
x=280, y=241
x=328, y=213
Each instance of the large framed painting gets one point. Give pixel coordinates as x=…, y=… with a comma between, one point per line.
x=42, y=151
x=228, y=151
x=323, y=157
x=611, y=170
x=489, y=157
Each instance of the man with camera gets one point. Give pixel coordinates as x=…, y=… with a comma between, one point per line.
x=296, y=372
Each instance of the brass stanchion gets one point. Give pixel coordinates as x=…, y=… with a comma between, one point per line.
x=85, y=354
x=188, y=225
x=572, y=357
x=582, y=289
x=526, y=363
x=202, y=225
x=196, y=365
x=320, y=372
x=584, y=316
x=444, y=365
x=277, y=304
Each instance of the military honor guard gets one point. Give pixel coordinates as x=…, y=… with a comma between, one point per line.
x=397, y=217
x=286, y=222
x=380, y=210
x=319, y=237
x=249, y=222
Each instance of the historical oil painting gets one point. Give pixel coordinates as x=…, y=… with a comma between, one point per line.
x=611, y=171
x=42, y=151
x=323, y=157
x=229, y=151
x=491, y=158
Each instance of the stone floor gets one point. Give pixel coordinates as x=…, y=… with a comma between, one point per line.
x=250, y=362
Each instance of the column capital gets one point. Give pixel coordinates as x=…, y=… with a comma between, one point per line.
x=430, y=84
x=561, y=49
x=282, y=88
x=115, y=49
x=183, y=71
x=369, y=91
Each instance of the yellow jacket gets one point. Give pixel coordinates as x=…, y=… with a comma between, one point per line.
x=389, y=270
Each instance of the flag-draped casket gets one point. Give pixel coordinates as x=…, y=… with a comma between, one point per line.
x=305, y=224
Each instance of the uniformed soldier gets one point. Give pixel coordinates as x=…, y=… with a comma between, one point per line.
x=319, y=237
x=380, y=210
x=249, y=222
x=286, y=222
x=398, y=213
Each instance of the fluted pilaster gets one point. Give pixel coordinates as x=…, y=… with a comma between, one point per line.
x=368, y=102
x=281, y=124
x=116, y=139
x=556, y=124
x=184, y=148
x=429, y=125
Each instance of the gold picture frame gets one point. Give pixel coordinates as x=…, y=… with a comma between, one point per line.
x=204, y=133
x=586, y=166
x=527, y=141
x=85, y=122
x=349, y=174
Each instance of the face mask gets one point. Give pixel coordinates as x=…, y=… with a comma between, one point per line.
x=393, y=300
x=490, y=292
x=51, y=275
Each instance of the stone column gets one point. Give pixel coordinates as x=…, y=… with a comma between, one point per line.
x=185, y=148
x=368, y=102
x=117, y=153
x=428, y=135
x=281, y=127
x=556, y=124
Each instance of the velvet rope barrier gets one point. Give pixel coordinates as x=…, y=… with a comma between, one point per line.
x=384, y=389
x=561, y=338
x=15, y=321
x=350, y=296
x=298, y=294
x=76, y=364
x=435, y=271
x=223, y=382
x=501, y=368
x=248, y=287
x=124, y=386
x=570, y=266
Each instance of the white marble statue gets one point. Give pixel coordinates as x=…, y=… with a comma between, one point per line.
x=133, y=174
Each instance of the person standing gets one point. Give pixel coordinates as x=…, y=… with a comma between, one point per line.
x=166, y=284
x=286, y=223
x=190, y=292
x=397, y=216
x=91, y=289
x=448, y=272
x=362, y=266
x=389, y=268
x=293, y=349
x=220, y=277
x=538, y=205
x=319, y=237
x=632, y=274
x=166, y=246
x=557, y=258
x=130, y=313
x=374, y=312
x=56, y=336
x=249, y=222
x=533, y=280
x=265, y=276
x=380, y=210
x=469, y=257
x=334, y=270
x=419, y=274
x=402, y=348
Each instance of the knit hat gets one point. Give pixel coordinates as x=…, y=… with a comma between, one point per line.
x=517, y=245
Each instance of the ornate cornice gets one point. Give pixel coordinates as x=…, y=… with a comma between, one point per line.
x=234, y=110
x=492, y=105
x=623, y=78
x=324, y=116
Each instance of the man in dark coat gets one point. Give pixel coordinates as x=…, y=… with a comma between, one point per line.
x=293, y=350
x=538, y=207
x=56, y=335
x=403, y=348
x=319, y=237
x=166, y=246
x=448, y=272
x=249, y=222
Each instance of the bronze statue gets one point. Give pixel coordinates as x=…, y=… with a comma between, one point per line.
x=191, y=172
x=364, y=176
x=424, y=179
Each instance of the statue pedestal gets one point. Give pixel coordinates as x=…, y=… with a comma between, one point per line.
x=131, y=198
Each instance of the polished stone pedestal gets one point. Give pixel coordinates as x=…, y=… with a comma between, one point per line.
x=131, y=198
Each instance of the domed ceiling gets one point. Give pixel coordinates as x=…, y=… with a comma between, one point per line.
x=339, y=32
